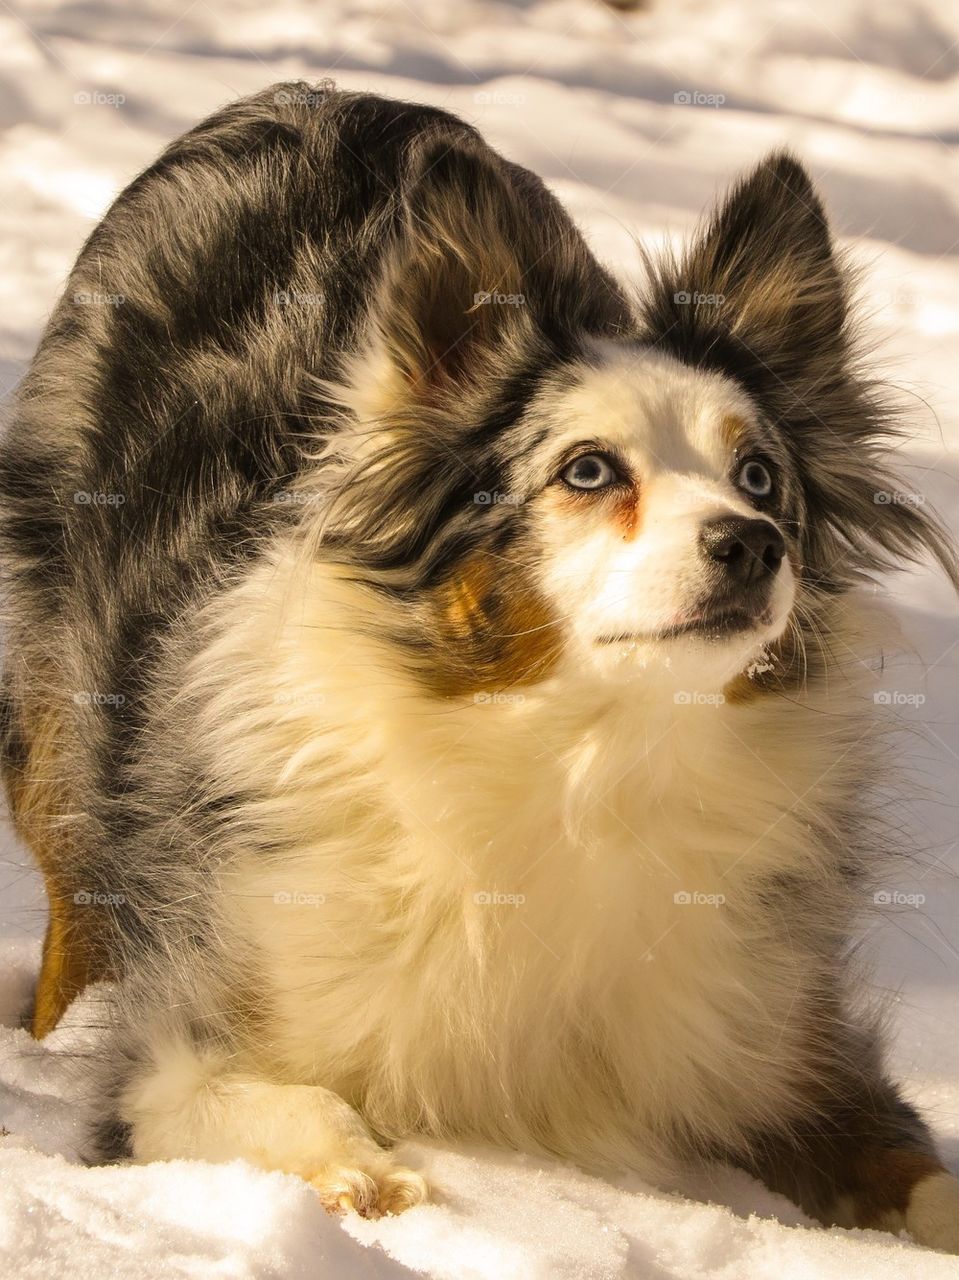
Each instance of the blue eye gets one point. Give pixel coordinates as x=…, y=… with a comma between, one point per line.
x=755, y=478
x=590, y=471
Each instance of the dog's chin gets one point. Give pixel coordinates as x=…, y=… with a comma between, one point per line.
x=701, y=653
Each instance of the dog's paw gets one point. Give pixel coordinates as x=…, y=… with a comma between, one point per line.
x=380, y=1188
x=932, y=1216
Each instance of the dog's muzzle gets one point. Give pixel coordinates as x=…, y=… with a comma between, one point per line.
x=743, y=555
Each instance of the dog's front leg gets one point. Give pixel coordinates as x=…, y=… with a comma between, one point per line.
x=184, y=1102
x=865, y=1161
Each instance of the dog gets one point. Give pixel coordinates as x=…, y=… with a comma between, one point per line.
x=438, y=681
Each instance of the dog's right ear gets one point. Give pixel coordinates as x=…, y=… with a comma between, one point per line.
x=452, y=302
x=486, y=271
x=485, y=284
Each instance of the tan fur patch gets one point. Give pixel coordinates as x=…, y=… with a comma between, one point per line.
x=628, y=515
x=71, y=960
x=733, y=429
x=886, y=1181
x=623, y=507
x=72, y=955
x=493, y=631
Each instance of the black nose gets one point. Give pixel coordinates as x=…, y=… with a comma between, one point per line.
x=747, y=549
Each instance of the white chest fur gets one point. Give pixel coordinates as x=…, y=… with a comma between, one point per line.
x=538, y=918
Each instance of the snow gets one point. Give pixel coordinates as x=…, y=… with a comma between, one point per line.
x=636, y=121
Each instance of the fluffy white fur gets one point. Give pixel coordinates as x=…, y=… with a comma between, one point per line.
x=932, y=1215
x=203, y=1109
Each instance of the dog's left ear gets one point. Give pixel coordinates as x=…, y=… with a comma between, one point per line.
x=759, y=293
x=761, y=296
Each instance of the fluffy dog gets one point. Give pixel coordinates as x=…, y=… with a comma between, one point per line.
x=436, y=690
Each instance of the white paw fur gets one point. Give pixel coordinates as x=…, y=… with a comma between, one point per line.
x=932, y=1216
x=188, y=1106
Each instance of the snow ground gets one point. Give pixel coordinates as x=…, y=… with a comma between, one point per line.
x=867, y=91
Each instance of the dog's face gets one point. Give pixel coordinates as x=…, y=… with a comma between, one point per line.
x=542, y=473
x=665, y=531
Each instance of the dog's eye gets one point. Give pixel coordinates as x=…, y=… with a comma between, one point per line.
x=755, y=478
x=590, y=471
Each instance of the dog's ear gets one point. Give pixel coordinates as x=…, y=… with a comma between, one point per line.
x=451, y=299
x=762, y=296
x=759, y=292
x=486, y=269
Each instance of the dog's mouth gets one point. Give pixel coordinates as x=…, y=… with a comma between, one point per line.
x=712, y=625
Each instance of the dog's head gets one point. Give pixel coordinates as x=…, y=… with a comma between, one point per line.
x=540, y=472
